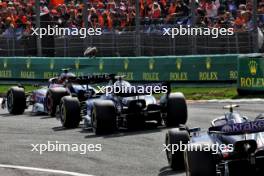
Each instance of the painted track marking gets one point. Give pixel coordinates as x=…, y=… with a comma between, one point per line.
x=43, y=170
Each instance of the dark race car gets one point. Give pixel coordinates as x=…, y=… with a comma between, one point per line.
x=232, y=146
x=46, y=98
x=106, y=112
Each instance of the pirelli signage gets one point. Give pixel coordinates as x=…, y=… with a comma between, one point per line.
x=251, y=72
x=166, y=68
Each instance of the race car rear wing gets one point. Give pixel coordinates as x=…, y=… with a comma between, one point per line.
x=239, y=128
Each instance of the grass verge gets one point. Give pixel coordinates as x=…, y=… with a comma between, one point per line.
x=206, y=93
x=4, y=88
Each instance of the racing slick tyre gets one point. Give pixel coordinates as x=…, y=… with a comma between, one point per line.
x=16, y=100
x=53, y=98
x=199, y=161
x=70, y=112
x=175, y=158
x=176, y=110
x=104, y=117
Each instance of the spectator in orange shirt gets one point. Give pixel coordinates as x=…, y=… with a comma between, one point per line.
x=239, y=21
x=172, y=8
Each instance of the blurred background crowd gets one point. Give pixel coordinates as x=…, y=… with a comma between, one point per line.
x=18, y=16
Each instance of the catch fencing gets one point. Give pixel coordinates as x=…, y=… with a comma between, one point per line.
x=124, y=44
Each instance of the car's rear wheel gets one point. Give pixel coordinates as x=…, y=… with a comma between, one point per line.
x=174, y=138
x=16, y=100
x=199, y=161
x=104, y=117
x=70, y=112
x=176, y=108
x=53, y=98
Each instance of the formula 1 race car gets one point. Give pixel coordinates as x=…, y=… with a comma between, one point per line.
x=106, y=112
x=43, y=100
x=233, y=145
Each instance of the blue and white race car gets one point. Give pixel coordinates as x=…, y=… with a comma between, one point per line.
x=232, y=146
x=106, y=112
x=46, y=98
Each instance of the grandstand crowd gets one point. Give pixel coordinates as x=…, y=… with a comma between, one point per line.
x=17, y=17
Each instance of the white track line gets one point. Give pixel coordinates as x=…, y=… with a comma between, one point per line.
x=43, y=170
x=249, y=100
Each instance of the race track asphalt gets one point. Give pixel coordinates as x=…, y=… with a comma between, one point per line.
x=136, y=153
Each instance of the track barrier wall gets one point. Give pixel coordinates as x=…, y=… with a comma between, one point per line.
x=203, y=68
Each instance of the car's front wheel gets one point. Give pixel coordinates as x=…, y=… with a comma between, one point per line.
x=70, y=112
x=199, y=161
x=176, y=110
x=174, y=138
x=16, y=100
x=104, y=117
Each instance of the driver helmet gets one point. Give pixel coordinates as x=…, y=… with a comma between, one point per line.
x=234, y=118
x=65, y=76
x=122, y=83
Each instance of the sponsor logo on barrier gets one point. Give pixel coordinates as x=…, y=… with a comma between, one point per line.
x=101, y=65
x=48, y=75
x=79, y=73
x=251, y=82
x=178, y=76
x=77, y=64
x=27, y=74
x=151, y=64
x=251, y=74
x=5, y=63
x=28, y=63
x=208, y=76
x=128, y=75
x=126, y=63
x=253, y=67
x=52, y=63
x=5, y=73
x=178, y=63
x=150, y=76
x=233, y=75
x=254, y=126
x=208, y=63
